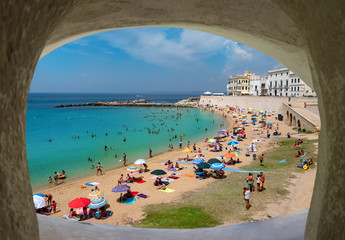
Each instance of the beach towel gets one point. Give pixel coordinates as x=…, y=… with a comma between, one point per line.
x=109, y=213
x=72, y=219
x=189, y=175
x=172, y=169
x=167, y=190
x=142, y=195
x=140, y=181
x=303, y=155
x=173, y=177
x=188, y=163
x=134, y=193
x=92, y=183
x=169, y=180
x=242, y=171
x=130, y=200
x=283, y=160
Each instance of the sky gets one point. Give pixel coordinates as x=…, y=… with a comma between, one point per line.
x=142, y=60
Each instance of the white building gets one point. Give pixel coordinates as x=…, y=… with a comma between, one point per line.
x=239, y=85
x=258, y=85
x=283, y=82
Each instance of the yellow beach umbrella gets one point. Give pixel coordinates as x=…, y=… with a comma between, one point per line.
x=187, y=150
x=212, y=140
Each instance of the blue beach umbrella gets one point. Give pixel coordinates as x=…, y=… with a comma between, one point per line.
x=221, y=131
x=38, y=194
x=233, y=143
x=121, y=188
x=198, y=160
x=235, y=128
x=255, y=120
x=98, y=203
x=38, y=201
x=269, y=123
x=213, y=160
x=217, y=166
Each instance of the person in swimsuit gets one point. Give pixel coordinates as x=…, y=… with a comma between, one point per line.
x=124, y=159
x=246, y=195
x=99, y=168
x=250, y=181
x=56, y=177
x=48, y=198
x=261, y=159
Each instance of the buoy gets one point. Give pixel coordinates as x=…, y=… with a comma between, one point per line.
x=305, y=167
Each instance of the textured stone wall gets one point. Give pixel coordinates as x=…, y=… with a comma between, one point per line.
x=306, y=36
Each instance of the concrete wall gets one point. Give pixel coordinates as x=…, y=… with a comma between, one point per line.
x=296, y=119
x=266, y=103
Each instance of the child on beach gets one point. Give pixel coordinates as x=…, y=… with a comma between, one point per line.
x=258, y=182
x=54, y=206
x=246, y=195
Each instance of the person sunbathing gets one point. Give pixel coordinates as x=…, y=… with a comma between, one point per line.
x=168, y=162
x=298, y=154
x=171, y=165
x=129, y=179
x=72, y=213
x=177, y=166
x=302, y=152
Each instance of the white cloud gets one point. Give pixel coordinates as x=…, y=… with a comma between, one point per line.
x=154, y=46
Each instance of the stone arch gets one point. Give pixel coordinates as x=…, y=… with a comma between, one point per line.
x=294, y=121
x=298, y=123
x=287, y=116
x=290, y=119
x=285, y=30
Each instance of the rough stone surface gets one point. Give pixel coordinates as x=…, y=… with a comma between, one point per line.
x=306, y=36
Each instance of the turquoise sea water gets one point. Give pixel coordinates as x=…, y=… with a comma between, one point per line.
x=64, y=125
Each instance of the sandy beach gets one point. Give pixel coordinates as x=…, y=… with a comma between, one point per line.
x=127, y=214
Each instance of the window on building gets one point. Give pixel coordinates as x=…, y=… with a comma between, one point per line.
x=276, y=74
x=287, y=73
x=287, y=82
x=295, y=80
x=298, y=79
x=291, y=80
x=246, y=88
x=270, y=84
x=275, y=83
x=297, y=88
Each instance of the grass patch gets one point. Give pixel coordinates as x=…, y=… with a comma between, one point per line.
x=222, y=201
x=178, y=217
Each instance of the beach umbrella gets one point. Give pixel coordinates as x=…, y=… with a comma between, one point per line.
x=94, y=194
x=217, y=166
x=198, y=160
x=187, y=150
x=132, y=169
x=158, y=172
x=225, y=130
x=39, y=194
x=211, y=140
x=255, y=120
x=221, y=131
x=268, y=123
x=229, y=155
x=233, y=143
x=235, y=128
x=79, y=203
x=217, y=138
x=213, y=160
x=203, y=165
x=140, y=161
x=241, y=132
x=38, y=201
x=121, y=188
x=98, y=203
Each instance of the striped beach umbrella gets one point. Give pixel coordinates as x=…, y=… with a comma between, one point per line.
x=95, y=194
x=98, y=203
x=233, y=143
x=132, y=169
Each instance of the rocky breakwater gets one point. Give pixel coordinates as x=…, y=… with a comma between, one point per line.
x=130, y=103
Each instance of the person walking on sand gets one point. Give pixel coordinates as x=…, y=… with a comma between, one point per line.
x=48, y=197
x=124, y=159
x=56, y=177
x=263, y=178
x=261, y=159
x=150, y=151
x=99, y=168
x=246, y=195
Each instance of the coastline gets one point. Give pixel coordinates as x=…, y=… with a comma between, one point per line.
x=228, y=123
x=127, y=215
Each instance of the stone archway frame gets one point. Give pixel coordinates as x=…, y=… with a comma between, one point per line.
x=288, y=31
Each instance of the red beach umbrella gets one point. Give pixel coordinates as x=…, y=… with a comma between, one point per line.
x=241, y=132
x=79, y=203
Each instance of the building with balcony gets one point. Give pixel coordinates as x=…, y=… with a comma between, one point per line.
x=239, y=85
